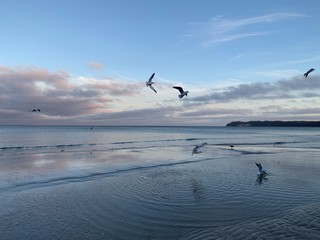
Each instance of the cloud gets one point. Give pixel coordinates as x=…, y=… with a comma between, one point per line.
x=219, y=29
x=95, y=65
x=230, y=37
x=162, y=115
x=217, y=112
x=59, y=95
x=295, y=87
x=67, y=99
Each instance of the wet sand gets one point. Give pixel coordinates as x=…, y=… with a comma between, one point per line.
x=161, y=193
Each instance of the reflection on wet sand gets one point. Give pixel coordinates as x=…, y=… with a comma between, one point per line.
x=198, y=190
x=261, y=178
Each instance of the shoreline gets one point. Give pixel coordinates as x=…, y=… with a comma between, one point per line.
x=274, y=124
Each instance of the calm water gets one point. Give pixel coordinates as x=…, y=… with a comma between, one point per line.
x=144, y=183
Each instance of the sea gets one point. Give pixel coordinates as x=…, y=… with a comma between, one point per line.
x=106, y=182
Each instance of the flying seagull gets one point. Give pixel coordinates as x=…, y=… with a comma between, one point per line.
x=309, y=71
x=197, y=147
x=149, y=83
x=36, y=110
x=182, y=93
x=261, y=173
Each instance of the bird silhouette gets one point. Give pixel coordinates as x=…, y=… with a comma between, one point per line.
x=182, y=92
x=149, y=83
x=307, y=73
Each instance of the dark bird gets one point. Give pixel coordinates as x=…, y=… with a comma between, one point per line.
x=309, y=71
x=182, y=93
x=149, y=83
x=36, y=110
x=231, y=147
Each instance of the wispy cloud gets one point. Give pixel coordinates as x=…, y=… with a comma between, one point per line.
x=222, y=38
x=220, y=29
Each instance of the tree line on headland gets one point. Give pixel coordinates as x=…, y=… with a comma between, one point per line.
x=274, y=124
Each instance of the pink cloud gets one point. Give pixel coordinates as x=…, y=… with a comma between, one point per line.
x=95, y=65
x=57, y=94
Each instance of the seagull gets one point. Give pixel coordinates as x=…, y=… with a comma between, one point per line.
x=182, y=93
x=149, y=83
x=276, y=143
x=262, y=173
x=197, y=147
x=309, y=71
x=36, y=110
x=231, y=147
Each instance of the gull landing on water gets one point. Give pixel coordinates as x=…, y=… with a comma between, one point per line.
x=261, y=173
x=309, y=71
x=182, y=93
x=197, y=147
x=149, y=83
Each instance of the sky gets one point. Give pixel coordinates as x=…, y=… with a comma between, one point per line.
x=86, y=62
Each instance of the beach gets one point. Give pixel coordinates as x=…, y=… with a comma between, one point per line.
x=144, y=183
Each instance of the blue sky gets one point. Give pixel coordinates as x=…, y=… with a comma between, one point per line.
x=86, y=62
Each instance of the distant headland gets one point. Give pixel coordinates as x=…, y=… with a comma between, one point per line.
x=274, y=124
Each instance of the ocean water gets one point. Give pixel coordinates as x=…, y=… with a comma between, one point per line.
x=144, y=183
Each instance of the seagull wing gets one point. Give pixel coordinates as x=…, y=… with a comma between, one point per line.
x=195, y=150
x=151, y=77
x=152, y=88
x=309, y=71
x=179, y=88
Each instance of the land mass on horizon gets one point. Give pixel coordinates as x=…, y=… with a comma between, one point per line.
x=274, y=124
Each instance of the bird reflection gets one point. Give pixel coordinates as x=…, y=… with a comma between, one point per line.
x=261, y=178
x=198, y=190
